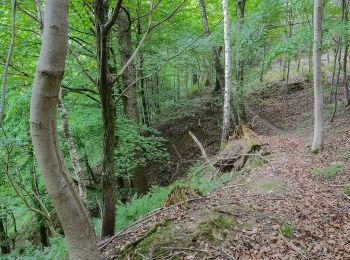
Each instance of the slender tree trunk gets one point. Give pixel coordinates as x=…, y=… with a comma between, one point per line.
x=73, y=154
x=69, y=207
x=298, y=61
x=346, y=48
x=344, y=7
x=109, y=117
x=262, y=66
x=240, y=98
x=317, y=142
x=346, y=82
x=226, y=116
x=290, y=22
x=144, y=102
x=220, y=78
x=8, y=60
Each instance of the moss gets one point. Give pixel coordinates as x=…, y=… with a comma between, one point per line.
x=208, y=229
x=269, y=185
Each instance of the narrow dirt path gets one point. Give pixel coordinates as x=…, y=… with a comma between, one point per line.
x=306, y=216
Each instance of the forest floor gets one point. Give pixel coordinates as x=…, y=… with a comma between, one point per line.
x=291, y=205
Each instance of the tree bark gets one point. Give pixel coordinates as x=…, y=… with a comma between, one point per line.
x=346, y=48
x=226, y=116
x=108, y=117
x=140, y=182
x=146, y=115
x=73, y=155
x=317, y=142
x=69, y=207
x=241, y=111
x=220, y=78
x=129, y=75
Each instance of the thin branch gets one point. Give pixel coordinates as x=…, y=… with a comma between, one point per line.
x=145, y=14
x=108, y=25
x=149, y=29
x=120, y=73
x=81, y=89
x=27, y=13
x=169, y=16
x=157, y=70
x=9, y=54
x=85, y=71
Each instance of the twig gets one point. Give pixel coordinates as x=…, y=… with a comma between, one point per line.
x=84, y=70
x=232, y=186
x=226, y=254
x=339, y=185
x=296, y=249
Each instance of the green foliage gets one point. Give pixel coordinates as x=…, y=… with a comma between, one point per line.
x=137, y=146
x=138, y=207
x=329, y=171
x=27, y=251
x=346, y=189
x=287, y=230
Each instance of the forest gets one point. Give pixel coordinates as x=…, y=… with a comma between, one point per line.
x=174, y=129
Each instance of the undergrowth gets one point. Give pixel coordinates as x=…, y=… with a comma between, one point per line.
x=138, y=207
x=329, y=171
x=27, y=251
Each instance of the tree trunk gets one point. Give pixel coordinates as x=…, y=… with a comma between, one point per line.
x=226, y=116
x=69, y=207
x=73, y=155
x=262, y=66
x=4, y=240
x=129, y=75
x=240, y=99
x=220, y=78
x=317, y=142
x=146, y=114
x=109, y=117
x=44, y=240
x=140, y=183
x=346, y=48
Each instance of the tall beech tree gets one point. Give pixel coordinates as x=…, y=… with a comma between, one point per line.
x=79, y=234
x=227, y=91
x=317, y=142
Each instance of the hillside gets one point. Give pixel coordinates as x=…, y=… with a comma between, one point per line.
x=285, y=204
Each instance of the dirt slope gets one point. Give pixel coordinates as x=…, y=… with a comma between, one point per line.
x=281, y=209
